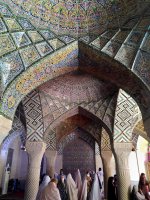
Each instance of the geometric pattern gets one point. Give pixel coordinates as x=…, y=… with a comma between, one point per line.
x=35, y=36
x=141, y=66
x=105, y=141
x=6, y=44
x=34, y=118
x=78, y=133
x=97, y=150
x=67, y=39
x=29, y=55
x=12, y=24
x=43, y=48
x=56, y=43
x=51, y=140
x=21, y=39
x=47, y=34
x=2, y=27
x=26, y=25
x=135, y=139
x=124, y=117
x=125, y=55
x=11, y=65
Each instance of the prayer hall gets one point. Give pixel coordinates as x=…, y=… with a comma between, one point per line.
x=75, y=99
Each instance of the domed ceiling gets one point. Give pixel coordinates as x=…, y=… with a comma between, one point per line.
x=75, y=17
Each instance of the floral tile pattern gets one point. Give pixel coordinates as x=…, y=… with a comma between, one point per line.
x=44, y=48
x=29, y=55
x=6, y=44
x=21, y=39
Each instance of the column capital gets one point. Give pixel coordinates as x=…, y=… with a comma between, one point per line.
x=35, y=148
x=125, y=147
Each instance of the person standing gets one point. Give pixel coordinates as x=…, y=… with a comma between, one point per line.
x=100, y=178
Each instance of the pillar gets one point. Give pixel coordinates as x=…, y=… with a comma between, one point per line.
x=106, y=158
x=5, y=127
x=122, y=151
x=51, y=158
x=35, y=152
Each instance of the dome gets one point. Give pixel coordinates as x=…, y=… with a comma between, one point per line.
x=74, y=17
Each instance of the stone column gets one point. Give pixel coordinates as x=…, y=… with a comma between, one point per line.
x=106, y=158
x=35, y=152
x=122, y=151
x=51, y=158
x=5, y=127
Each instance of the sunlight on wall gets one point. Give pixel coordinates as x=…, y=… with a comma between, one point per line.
x=138, y=158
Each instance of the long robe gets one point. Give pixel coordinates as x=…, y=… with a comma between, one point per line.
x=84, y=190
x=72, y=188
x=44, y=183
x=51, y=192
x=136, y=195
x=78, y=182
x=95, y=193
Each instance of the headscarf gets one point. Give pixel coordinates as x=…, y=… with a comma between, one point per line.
x=44, y=183
x=72, y=188
x=50, y=192
x=95, y=191
x=78, y=182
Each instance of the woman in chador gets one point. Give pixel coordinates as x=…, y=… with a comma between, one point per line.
x=62, y=186
x=44, y=183
x=51, y=191
x=95, y=193
x=72, y=188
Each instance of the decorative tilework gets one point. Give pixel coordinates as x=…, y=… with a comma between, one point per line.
x=111, y=48
x=146, y=43
x=109, y=34
x=131, y=23
x=51, y=140
x=125, y=55
x=56, y=43
x=21, y=39
x=33, y=113
x=12, y=24
x=52, y=66
x=67, y=39
x=105, y=141
x=44, y=48
x=6, y=44
x=135, y=38
x=143, y=24
x=99, y=42
x=25, y=24
x=11, y=66
x=35, y=36
x=141, y=66
x=47, y=34
x=121, y=36
x=5, y=11
x=124, y=116
x=29, y=55
x=2, y=26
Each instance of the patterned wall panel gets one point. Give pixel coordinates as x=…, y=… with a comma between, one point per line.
x=78, y=155
x=124, y=117
x=105, y=141
x=51, y=140
x=47, y=68
x=34, y=118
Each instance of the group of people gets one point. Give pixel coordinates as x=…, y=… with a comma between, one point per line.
x=64, y=187
x=142, y=191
